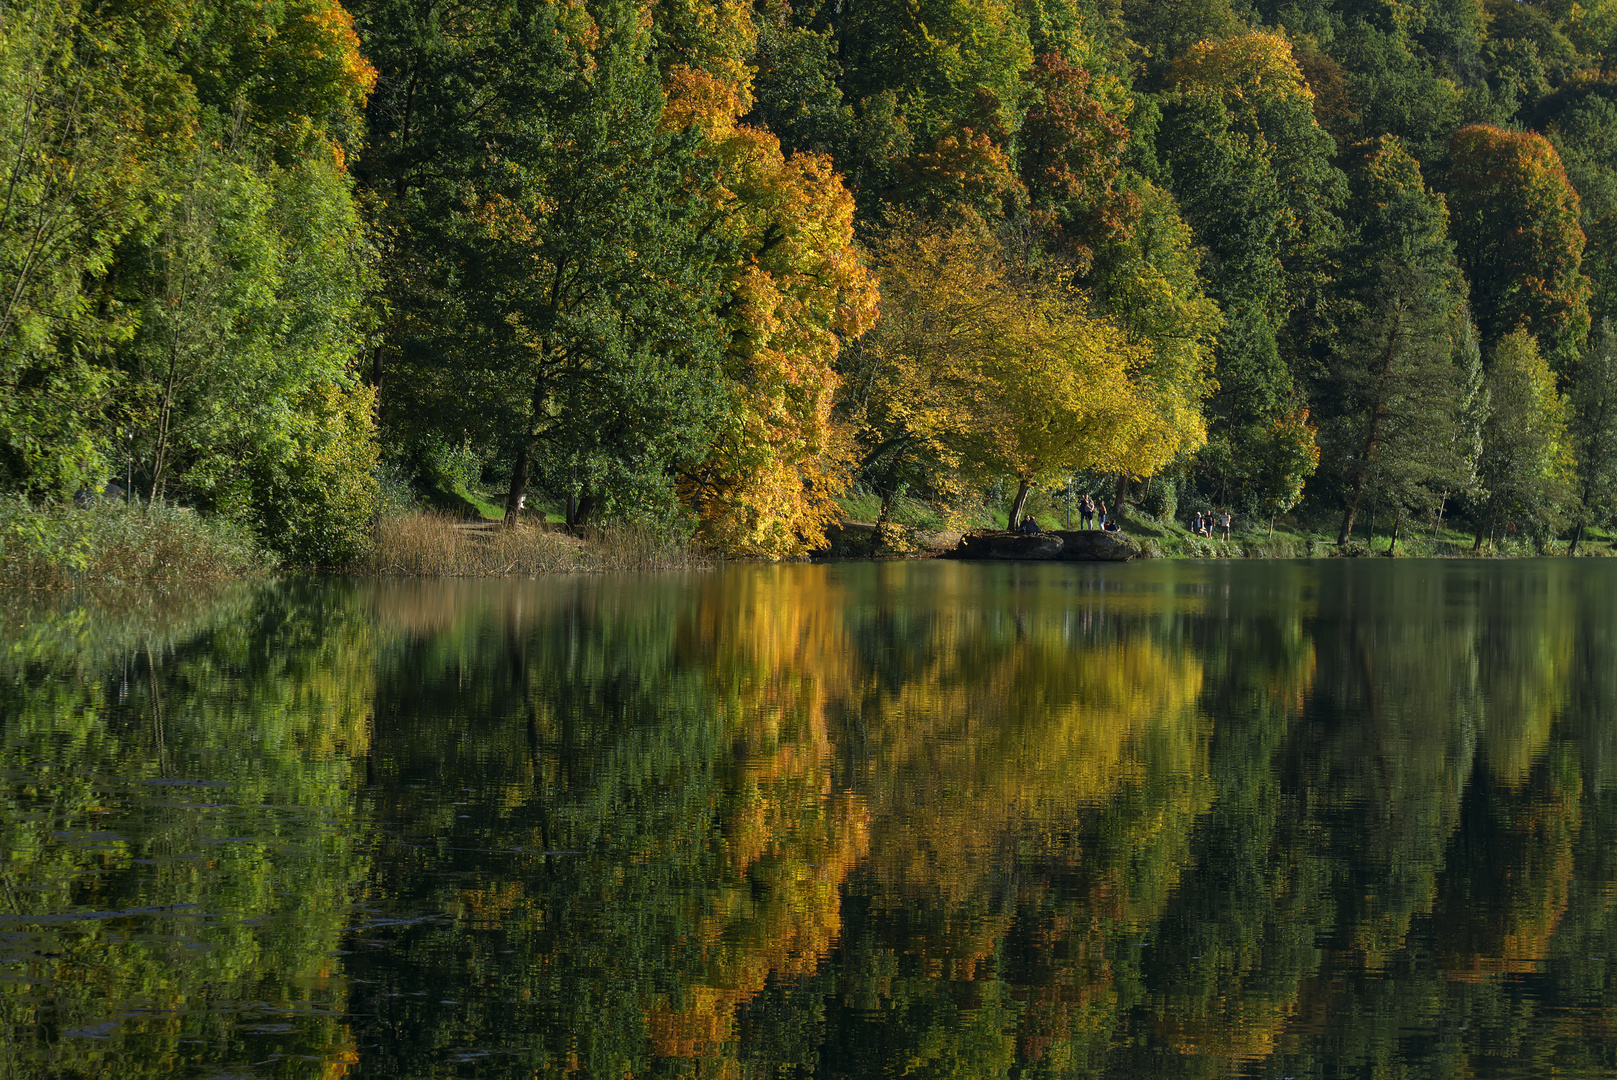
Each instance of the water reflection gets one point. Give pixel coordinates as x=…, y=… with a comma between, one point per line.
x=837, y=821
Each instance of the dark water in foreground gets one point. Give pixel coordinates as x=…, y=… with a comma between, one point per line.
x=940, y=820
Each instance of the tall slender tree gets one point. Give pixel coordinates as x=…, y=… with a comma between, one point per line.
x=1395, y=386
x=1527, y=469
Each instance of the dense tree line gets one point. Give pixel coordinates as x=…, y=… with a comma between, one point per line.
x=715, y=262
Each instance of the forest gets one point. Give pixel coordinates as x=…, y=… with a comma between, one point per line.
x=721, y=266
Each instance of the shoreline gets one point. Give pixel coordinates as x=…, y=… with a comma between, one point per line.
x=863, y=540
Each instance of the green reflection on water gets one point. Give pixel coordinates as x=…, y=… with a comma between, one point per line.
x=1177, y=819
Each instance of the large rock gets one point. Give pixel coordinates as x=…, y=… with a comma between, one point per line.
x=1004, y=545
x=1095, y=545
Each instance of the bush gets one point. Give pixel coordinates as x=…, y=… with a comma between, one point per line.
x=1161, y=499
x=63, y=546
x=316, y=496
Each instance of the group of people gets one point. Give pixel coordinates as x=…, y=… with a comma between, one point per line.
x=1089, y=510
x=1091, y=515
x=1204, y=524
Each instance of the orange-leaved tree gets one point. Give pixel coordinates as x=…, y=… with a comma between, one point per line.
x=1516, y=227
x=798, y=290
x=1072, y=158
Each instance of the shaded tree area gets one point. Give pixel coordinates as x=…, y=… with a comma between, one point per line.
x=185, y=260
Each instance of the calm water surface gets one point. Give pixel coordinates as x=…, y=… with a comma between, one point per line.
x=1334, y=819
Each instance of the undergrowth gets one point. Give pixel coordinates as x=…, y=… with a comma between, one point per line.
x=63, y=546
x=439, y=545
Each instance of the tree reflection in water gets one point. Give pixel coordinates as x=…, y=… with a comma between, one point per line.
x=836, y=821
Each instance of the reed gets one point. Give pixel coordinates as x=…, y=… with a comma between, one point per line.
x=426, y=544
x=64, y=546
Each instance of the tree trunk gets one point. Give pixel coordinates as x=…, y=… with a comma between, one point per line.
x=1345, y=533
x=519, y=484
x=1394, y=545
x=888, y=490
x=1018, y=504
x=1572, y=548
x=519, y=468
x=579, y=510
x=1372, y=440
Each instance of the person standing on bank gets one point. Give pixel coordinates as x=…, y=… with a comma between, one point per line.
x=1224, y=522
x=1086, y=512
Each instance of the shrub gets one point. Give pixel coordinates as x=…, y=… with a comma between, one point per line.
x=1161, y=499
x=62, y=546
x=316, y=496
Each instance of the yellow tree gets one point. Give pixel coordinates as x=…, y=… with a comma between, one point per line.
x=1003, y=368
x=798, y=290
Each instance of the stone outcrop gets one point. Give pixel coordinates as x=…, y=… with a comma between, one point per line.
x=862, y=540
x=1004, y=545
x=1095, y=545
x=1087, y=545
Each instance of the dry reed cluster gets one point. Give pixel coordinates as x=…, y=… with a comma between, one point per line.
x=437, y=545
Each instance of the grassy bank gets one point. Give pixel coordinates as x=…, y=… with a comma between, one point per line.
x=113, y=544
x=917, y=533
x=1167, y=540
x=109, y=544
x=63, y=547
x=426, y=544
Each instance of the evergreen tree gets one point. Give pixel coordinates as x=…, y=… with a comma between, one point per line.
x=1583, y=131
x=1252, y=171
x=1395, y=388
x=1593, y=422
x=546, y=216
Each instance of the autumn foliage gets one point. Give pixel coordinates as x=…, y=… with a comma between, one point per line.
x=1516, y=223
x=799, y=289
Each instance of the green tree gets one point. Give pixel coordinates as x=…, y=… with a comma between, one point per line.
x=936, y=89
x=1251, y=169
x=1396, y=387
x=1527, y=468
x=1593, y=422
x=559, y=293
x=1396, y=90
x=1582, y=126
x=85, y=97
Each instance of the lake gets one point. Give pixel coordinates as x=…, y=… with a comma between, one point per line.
x=934, y=819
